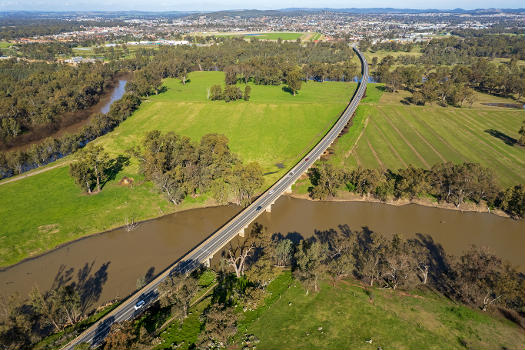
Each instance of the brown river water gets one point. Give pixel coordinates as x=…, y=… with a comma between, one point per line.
x=109, y=264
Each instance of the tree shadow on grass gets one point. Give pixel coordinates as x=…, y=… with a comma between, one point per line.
x=287, y=89
x=511, y=141
x=115, y=166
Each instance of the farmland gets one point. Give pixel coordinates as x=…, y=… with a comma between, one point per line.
x=393, y=135
x=49, y=209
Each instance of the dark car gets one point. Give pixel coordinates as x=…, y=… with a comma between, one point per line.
x=258, y=208
x=306, y=159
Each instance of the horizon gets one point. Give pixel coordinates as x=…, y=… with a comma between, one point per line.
x=157, y=6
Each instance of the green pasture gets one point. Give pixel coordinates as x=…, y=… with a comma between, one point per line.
x=273, y=128
x=346, y=315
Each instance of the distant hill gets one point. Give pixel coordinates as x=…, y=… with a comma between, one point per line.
x=248, y=13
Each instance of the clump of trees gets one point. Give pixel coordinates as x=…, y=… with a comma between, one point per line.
x=229, y=93
x=179, y=167
x=92, y=168
x=447, y=182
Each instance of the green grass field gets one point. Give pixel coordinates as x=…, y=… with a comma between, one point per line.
x=396, y=135
x=345, y=315
x=263, y=129
x=274, y=127
x=268, y=36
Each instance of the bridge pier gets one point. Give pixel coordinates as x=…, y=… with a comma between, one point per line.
x=288, y=189
x=268, y=209
x=207, y=262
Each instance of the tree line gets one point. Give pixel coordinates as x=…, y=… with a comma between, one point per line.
x=452, y=86
x=446, y=182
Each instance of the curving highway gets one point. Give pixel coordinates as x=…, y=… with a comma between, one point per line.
x=202, y=253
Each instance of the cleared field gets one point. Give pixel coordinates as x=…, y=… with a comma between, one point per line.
x=380, y=54
x=274, y=127
x=346, y=316
x=394, y=135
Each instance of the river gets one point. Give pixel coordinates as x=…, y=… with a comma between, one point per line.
x=72, y=122
x=110, y=263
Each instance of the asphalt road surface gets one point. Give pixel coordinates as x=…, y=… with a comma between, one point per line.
x=138, y=302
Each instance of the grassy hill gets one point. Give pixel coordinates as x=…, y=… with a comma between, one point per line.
x=273, y=128
x=346, y=315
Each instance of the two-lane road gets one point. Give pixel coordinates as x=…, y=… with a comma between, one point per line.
x=200, y=254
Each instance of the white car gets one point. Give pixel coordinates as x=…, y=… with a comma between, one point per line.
x=139, y=304
x=271, y=191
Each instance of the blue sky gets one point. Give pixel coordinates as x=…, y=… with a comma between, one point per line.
x=210, y=5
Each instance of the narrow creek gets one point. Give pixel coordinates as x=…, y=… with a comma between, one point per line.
x=110, y=263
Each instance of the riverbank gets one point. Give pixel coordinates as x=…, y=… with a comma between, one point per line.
x=116, y=259
x=344, y=196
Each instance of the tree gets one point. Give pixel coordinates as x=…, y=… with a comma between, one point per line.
x=121, y=336
x=364, y=181
x=412, y=182
x=309, y=257
x=237, y=257
x=283, y=252
x=232, y=93
x=220, y=324
x=245, y=181
x=521, y=140
x=369, y=252
x=216, y=93
x=421, y=256
x=50, y=307
x=90, y=167
x=230, y=75
x=326, y=180
x=396, y=270
x=294, y=80
x=480, y=278
x=16, y=323
x=177, y=291
x=512, y=201
x=247, y=91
